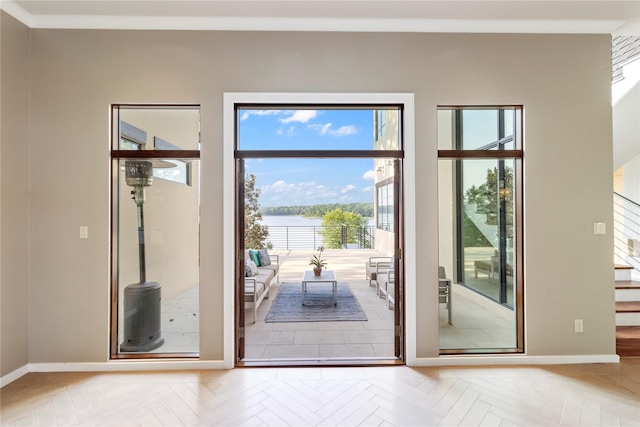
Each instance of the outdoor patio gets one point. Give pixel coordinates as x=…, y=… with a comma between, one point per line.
x=475, y=323
x=320, y=340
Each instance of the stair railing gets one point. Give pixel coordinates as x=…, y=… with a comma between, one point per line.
x=626, y=231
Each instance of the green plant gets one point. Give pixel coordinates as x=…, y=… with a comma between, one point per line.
x=340, y=228
x=317, y=260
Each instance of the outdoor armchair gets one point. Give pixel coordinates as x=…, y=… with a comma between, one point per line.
x=375, y=266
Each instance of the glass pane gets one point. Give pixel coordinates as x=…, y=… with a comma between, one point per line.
x=488, y=220
x=509, y=128
x=312, y=129
x=479, y=129
x=158, y=251
x=477, y=223
x=477, y=253
x=176, y=128
x=158, y=262
x=476, y=128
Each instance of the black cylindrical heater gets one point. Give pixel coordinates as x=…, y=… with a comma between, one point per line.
x=141, y=300
x=142, y=317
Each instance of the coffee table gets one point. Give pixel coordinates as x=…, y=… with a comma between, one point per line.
x=326, y=277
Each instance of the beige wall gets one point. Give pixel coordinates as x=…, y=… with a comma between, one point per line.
x=14, y=191
x=563, y=81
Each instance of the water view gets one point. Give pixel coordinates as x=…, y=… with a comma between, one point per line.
x=295, y=220
x=297, y=232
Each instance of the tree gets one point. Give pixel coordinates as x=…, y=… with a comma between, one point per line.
x=255, y=234
x=496, y=193
x=340, y=228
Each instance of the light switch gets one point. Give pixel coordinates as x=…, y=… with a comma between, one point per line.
x=599, y=228
x=84, y=232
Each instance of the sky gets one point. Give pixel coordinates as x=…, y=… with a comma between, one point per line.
x=294, y=182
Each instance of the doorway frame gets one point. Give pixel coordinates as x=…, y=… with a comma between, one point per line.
x=230, y=99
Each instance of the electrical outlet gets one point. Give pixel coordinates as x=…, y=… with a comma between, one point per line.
x=579, y=327
x=84, y=232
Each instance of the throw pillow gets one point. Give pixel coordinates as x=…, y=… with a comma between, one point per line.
x=265, y=259
x=250, y=268
x=255, y=257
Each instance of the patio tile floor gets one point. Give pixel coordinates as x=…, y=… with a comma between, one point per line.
x=474, y=326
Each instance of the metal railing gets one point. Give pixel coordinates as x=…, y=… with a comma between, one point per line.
x=626, y=231
x=311, y=237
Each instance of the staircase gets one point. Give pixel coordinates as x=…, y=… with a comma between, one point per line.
x=627, y=313
x=627, y=256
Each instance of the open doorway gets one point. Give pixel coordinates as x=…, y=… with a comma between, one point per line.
x=323, y=183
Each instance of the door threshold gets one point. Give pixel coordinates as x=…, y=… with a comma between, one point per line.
x=326, y=362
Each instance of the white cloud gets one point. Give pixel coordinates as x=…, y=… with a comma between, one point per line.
x=344, y=131
x=341, y=131
x=367, y=189
x=283, y=193
x=249, y=113
x=288, y=132
x=302, y=193
x=278, y=187
x=301, y=116
x=348, y=188
x=323, y=129
x=369, y=175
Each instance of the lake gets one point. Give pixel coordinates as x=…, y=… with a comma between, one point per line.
x=294, y=220
x=296, y=232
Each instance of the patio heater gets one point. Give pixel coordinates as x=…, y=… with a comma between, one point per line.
x=141, y=300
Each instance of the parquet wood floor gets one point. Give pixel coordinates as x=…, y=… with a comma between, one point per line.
x=567, y=395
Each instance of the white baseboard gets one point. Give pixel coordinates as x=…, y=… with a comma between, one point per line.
x=472, y=360
x=112, y=366
x=466, y=360
x=127, y=365
x=12, y=376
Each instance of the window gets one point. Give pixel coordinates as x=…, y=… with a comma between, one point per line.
x=155, y=228
x=381, y=122
x=480, y=205
x=178, y=171
x=131, y=138
x=384, y=205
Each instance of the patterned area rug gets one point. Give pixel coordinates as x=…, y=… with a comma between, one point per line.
x=287, y=307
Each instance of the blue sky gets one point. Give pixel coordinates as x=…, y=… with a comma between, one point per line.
x=291, y=182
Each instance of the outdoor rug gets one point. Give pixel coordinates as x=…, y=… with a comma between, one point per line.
x=287, y=307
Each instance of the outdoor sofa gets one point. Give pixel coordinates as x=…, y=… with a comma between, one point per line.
x=260, y=269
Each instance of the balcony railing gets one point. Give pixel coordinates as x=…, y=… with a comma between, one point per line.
x=626, y=219
x=311, y=237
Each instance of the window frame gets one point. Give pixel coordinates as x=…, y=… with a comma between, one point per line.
x=117, y=154
x=494, y=150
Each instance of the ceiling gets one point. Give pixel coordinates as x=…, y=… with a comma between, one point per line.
x=495, y=16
